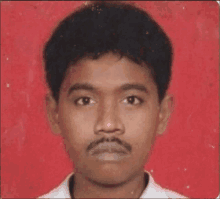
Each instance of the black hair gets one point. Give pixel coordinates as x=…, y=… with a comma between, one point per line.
x=101, y=27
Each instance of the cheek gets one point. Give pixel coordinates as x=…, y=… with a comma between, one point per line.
x=76, y=128
x=141, y=129
x=139, y=121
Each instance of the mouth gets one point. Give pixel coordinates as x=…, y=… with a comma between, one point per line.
x=109, y=151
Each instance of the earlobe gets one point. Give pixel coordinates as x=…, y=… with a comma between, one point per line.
x=52, y=113
x=166, y=108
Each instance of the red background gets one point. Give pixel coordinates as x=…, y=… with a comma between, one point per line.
x=185, y=159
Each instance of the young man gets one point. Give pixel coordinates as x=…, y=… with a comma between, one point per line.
x=108, y=66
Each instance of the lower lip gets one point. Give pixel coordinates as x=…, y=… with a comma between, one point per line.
x=106, y=156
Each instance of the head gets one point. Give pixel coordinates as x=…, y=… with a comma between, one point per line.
x=108, y=67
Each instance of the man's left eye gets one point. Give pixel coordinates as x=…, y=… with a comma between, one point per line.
x=132, y=100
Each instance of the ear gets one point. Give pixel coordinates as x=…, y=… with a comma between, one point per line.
x=52, y=113
x=166, y=108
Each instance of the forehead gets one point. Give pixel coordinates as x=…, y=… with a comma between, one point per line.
x=108, y=72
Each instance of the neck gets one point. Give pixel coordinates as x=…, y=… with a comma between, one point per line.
x=85, y=188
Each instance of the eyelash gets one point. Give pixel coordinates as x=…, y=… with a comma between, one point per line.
x=135, y=97
x=77, y=100
x=139, y=99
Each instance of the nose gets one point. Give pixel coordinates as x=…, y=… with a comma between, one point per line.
x=108, y=119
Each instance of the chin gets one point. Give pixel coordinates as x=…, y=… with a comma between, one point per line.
x=108, y=175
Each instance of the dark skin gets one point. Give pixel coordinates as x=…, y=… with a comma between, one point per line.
x=109, y=104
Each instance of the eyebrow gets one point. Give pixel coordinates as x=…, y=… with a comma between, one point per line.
x=139, y=87
x=78, y=86
x=89, y=87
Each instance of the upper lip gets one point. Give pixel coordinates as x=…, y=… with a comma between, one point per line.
x=110, y=147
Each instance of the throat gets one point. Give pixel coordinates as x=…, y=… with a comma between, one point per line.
x=134, y=193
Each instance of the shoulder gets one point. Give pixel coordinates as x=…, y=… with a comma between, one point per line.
x=62, y=191
x=153, y=190
x=172, y=194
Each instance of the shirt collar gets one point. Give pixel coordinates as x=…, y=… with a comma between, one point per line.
x=150, y=190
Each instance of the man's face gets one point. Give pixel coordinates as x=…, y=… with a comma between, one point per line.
x=108, y=115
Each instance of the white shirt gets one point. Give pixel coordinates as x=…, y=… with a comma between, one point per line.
x=153, y=190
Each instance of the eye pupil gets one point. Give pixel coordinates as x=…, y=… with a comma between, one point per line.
x=131, y=99
x=85, y=100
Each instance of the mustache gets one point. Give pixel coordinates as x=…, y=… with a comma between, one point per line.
x=112, y=139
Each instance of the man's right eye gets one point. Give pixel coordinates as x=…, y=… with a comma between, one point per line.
x=83, y=101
